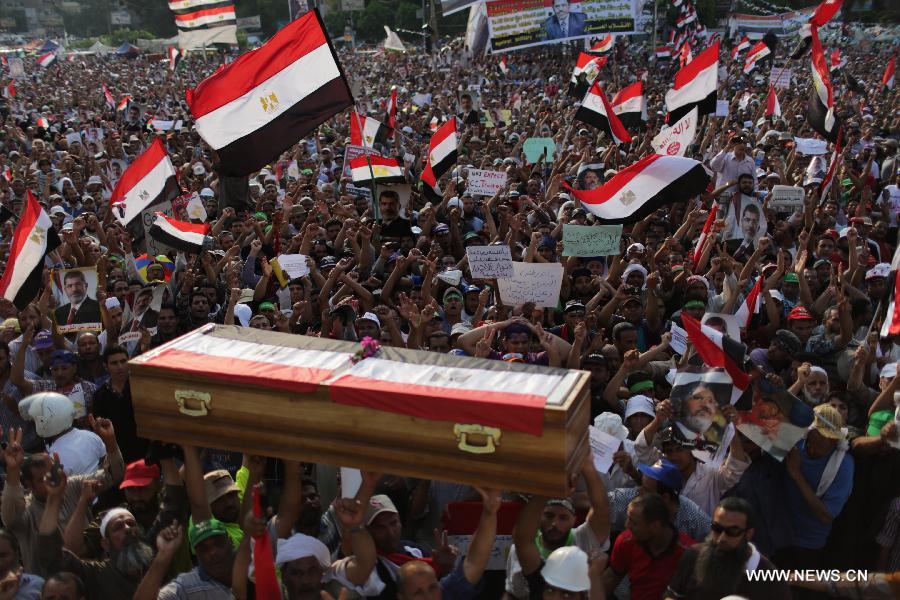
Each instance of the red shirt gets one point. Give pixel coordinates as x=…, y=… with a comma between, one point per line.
x=649, y=576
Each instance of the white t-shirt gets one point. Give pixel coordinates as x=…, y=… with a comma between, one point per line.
x=894, y=202
x=80, y=451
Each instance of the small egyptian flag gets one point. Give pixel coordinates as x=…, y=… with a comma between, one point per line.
x=382, y=170
x=123, y=103
x=773, y=106
x=175, y=56
x=603, y=46
x=887, y=80
x=10, y=90
x=47, y=60
x=181, y=235
x=108, y=96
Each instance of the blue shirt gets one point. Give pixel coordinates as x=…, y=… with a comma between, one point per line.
x=810, y=532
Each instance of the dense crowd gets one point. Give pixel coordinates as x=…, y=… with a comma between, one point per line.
x=91, y=510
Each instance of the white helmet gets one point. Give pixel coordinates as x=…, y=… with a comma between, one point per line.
x=51, y=412
x=567, y=569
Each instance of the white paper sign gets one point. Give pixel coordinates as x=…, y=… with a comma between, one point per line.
x=351, y=480
x=603, y=446
x=161, y=125
x=811, y=146
x=77, y=398
x=781, y=78
x=532, y=282
x=490, y=262
x=786, y=198
x=679, y=339
x=72, y=138
x=675, y=140
x=499, y=552
x=591, y=240
x=722, y=108
x=294, y=265
x=195, y=209
x=485, y=183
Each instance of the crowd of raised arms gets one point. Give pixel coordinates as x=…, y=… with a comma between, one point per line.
x=698, y=495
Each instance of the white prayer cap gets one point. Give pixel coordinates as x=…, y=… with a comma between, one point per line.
x=112, y=514
x=112, y=302
x=301, y=546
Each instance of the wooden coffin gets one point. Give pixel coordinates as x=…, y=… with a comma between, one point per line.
x=406, y=412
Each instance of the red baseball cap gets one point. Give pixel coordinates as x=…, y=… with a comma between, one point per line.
x=798, y=313
x=139, y=474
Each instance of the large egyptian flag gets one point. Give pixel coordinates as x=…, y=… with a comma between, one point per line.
x=442, y=154
x=887, y=80
x=33, y=238
x=891, y=325
x=596, y=110
x=149, y=180
x=695, y=85
x=379, y=169
x=820, y=109
x=366, y=131
x=181, y=235
x=639, y=189
x=630, y=105
x=586, y=69
x=719, y=351
x=253, y=109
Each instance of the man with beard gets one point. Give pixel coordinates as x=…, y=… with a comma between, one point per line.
x=811, y=385
x=718, y=567
x=128, y=555
x=81, y=307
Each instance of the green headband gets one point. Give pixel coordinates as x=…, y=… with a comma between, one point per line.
x=641, y=386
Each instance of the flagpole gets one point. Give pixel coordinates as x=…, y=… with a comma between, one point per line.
x=368, y=162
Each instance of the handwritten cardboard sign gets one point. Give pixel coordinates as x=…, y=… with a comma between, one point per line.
x=586, y=240
x=481, y=182
x=490, y=262
x=786, y=198
x=532, y=282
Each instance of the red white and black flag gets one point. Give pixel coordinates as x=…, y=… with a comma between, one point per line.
x=887, y=80
x=820, y=109
x=366, y=131
x=751, y=306
x=33, y=238
x=602, y=46
x=719, y=351
x=10, y=90
x=704, y=234
x=391, y=112
x=123, y=103
x=630, y=105
x=253, y=109
x=664, y=52
x=828, y=179
x=47, y=60
x=773, y=106
x=891, y=325
x=147, y=181
x=181, y=235
x=107, y=95
x=837, y=62
x=442, y=154
x=175, y=56
x=586, y=70
x=203, y=22
x=685, y=55
x=740, y=47
x=639, y=189
x=596, y=110
x=758, y=52
x=382, y=170
x=825, y=12
x=695, y=85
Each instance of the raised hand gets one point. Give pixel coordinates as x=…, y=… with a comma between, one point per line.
x=13, y=453
x=350, y=512
x=170, y=539
x=444, y=554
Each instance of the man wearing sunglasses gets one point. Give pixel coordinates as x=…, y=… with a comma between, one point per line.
x=718, y=567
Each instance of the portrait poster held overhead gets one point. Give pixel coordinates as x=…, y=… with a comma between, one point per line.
x=75, y=291
x=515, y=24
x=768, y=423
x=746, y=220
x=697, y=396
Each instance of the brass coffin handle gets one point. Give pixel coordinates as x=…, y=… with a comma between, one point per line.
x=491, y=435
x=193, y=404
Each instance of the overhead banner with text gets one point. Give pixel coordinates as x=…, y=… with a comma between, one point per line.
x=514, y=24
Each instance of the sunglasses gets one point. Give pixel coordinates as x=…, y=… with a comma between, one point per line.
x=729, y=531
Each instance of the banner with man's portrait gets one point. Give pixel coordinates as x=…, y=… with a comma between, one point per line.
x=515, y=24
x=697, y=397
x=747, y=222
x=77, y=308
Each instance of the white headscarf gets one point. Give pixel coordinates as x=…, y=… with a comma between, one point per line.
x=301, y=546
